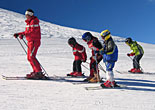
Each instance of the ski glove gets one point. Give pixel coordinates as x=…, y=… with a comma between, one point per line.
x=21, y=36
x=130, y=54
x=93, y=58
x=16, y=35
x=101, y=51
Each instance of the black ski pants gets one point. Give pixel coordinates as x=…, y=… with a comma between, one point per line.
x=136, y=61
x=77, y=66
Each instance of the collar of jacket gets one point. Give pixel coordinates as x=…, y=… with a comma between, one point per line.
x=29, y=20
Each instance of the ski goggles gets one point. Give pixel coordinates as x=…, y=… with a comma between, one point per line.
x=87, y=38
x=28, y=13
x=127, y=43
x=105, y=34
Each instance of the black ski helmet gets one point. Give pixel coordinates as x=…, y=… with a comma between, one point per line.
x=72, y=41
x=30, y=10
x=128, y=40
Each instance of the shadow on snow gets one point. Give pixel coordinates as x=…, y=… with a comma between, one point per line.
x=137, y=84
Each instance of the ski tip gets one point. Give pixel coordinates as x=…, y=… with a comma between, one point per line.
x=3, y=77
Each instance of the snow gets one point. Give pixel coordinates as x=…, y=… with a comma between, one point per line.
x=56, y=57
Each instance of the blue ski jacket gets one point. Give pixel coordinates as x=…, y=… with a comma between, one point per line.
x=110, y=51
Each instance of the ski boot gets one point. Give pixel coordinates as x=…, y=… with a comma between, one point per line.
x=137, y=71
x=28, y=76
x=95, y=79
x=36, y=75
x=109, y=84
x=87, y=79
x=132, y=70
x=71, y=74
x=77, y=74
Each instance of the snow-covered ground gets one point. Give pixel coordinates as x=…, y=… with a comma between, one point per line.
x=56, y=57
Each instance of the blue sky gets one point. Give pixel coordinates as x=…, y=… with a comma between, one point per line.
x=125, y=18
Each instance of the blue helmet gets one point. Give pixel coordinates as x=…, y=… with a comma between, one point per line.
x=87, y=36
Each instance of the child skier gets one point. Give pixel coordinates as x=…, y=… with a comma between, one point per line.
x=110, y=55
x=137, y=53
x=80, y=56
x=94, y=59
x=33, y=36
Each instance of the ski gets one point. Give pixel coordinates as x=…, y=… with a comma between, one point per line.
x=126, y=72
x=71, y=76
x=50, y=78
x=120, y=86
x=79, y=82
x=24, y=78
x=86, y=82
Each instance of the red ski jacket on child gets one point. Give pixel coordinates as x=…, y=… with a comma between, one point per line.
x=79, y=52
x=90, y=45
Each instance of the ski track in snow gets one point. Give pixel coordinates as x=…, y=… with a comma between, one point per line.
x=56, y=57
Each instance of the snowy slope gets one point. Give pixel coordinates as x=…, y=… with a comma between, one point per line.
x=11, y=22
x=56, y=57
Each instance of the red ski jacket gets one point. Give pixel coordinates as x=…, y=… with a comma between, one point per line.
x=32, y=31
x=90, y=45
x=79, y=52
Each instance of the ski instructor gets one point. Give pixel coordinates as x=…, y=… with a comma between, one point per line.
x=33, y=36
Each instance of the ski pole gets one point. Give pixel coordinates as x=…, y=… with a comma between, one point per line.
x=87, y=62
x=137, y=63
x=97, y=67
x=85, y=66
x=22, y=45
x=100, y=67
x=26, y=54
x=36, y=58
